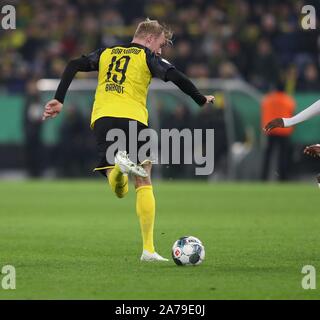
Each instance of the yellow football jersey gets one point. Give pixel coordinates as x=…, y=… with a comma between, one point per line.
x=125, y=72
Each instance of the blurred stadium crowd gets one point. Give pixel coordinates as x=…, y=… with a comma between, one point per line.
x=260, y=42
x=253, y=40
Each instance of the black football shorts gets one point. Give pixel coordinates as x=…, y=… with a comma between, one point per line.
x=105, y=125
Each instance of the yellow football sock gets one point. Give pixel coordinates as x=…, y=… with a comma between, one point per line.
x=118, y=182
x=146, y=208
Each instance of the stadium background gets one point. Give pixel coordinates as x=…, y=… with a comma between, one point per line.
x=72, y=239
x=252, y=41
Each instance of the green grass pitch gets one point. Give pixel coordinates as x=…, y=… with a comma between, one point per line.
x=75, y=240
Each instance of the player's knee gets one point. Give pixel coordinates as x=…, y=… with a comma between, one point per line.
x=147, y=165
x=120, y=195
x=140, y=182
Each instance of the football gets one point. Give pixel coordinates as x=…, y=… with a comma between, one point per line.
x=188, y=251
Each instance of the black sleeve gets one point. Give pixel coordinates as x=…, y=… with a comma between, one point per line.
x=158, y=66
x=185, y=85
x=86, y=63
x=93, y=59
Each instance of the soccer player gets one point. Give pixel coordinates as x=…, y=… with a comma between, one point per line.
x=125, y=72
x=311, y=111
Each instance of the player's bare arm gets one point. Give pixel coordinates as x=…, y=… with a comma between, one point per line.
x=275, y=123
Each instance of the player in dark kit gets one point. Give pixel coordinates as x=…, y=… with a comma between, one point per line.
x=125, y=72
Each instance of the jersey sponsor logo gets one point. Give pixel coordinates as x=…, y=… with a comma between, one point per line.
x=125, y=51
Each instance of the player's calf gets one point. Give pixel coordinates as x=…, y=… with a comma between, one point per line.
x=146, y=209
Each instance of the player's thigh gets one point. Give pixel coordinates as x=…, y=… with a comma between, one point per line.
x=101, y=127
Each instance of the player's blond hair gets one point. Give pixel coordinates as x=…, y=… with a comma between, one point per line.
x=153, y=27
